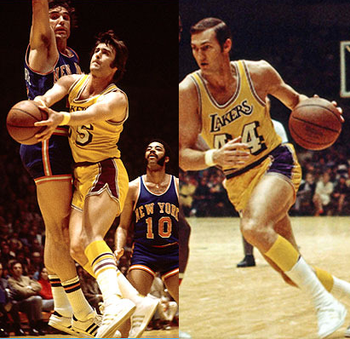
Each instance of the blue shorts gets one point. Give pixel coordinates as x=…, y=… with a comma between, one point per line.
x=50, y=160
x=164, y=260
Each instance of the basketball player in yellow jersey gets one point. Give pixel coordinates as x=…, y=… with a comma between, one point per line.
x=224, y=102
x=98, y=110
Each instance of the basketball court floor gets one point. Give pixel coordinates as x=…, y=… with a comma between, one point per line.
x=219, y=300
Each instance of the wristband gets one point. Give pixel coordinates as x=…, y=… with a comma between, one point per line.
x=66, y=119
x=209, y=158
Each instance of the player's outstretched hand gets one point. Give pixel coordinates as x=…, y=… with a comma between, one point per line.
x=53, y=120
x=233, y=153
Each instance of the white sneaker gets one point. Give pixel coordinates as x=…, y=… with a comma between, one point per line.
x=61, y=323
x=114, y=316
x=347, y=333
x=330, y=318
x=142, y=316
x=184, y=335
x=89, y=326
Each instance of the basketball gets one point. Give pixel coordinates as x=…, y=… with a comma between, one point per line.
x=315, y=124
x=20, y=122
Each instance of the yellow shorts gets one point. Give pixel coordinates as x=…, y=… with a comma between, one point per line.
x=281, y=161
x=108, y=175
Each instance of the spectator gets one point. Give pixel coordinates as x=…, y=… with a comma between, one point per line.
x=5, y=254
x=304, y=202
x=187, y=189
x=322, y=197
x=36, y=263
x=8, y=306
x=339, y=196
x=45, y=292
x=201, y=199
x=26, y=293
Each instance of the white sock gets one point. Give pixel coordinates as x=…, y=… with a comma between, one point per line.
x=81, y=307
x=128, y=291
x=61, y=302
x=341, y=288
x=306, y=279
x=107, y=281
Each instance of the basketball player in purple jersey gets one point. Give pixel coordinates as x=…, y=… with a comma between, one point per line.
x=153, y=203
x=49, y=163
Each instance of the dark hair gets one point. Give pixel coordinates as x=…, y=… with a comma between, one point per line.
x=220, y=28
x=13, y=263
x=67, y=5
x=121, y=51
x=165, y=145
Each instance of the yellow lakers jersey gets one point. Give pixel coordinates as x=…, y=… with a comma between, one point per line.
x=244, y=114
x=97, y=141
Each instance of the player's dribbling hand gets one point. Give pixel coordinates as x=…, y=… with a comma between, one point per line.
x=335, y=104
x=233, y=153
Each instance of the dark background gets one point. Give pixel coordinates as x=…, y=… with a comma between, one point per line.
x=150, y=30
x=301, y=39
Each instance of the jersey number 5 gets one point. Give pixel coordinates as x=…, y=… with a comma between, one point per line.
x=164, y=227
x=84, y=137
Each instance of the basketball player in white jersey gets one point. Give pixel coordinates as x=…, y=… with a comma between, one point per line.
x=224, y=101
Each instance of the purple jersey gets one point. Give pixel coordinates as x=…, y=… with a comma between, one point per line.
x=157, y=216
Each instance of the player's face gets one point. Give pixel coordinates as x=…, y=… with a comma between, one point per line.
x=102, y=60
x=155, y=151
x=206, y=50
x=60, y=22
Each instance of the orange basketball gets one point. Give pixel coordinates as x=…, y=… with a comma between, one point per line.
x=315, y=124
x=20, y=121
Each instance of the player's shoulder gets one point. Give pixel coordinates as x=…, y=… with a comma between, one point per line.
x=134, y=185
x=187, y=84
x=258, y=66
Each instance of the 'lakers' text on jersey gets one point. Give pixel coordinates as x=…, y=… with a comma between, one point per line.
x=38, y=83
x=98, y=141
x=157, y=216
x=244, y=114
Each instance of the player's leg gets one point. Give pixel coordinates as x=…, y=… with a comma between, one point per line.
x=172, y=284
x=54, y=201
x=98, y=215
x=267, y=205
x=184, y=238
x=141, y=279
x=248, y=260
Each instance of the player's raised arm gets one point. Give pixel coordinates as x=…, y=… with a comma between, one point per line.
x=42, y=43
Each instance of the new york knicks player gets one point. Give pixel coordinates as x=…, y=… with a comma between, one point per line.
x=152, y=205
x=225, y=102
x=98, y=111
x=50, y=162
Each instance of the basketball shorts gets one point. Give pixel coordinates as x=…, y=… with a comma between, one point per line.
x=94, y=178
x=50, y=160
x=164, y=260
x=281, y=161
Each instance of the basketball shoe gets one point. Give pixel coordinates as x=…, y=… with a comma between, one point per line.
x=330, y=317
x=61, y=323
x=142, y=316
x=114, y=315
x=89, y=326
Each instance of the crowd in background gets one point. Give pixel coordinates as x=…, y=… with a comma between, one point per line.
x=324, y=190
